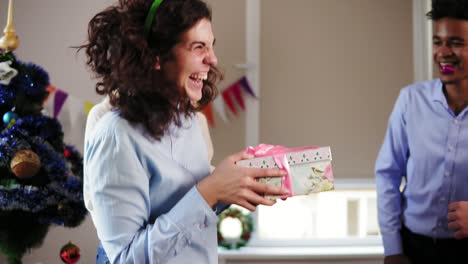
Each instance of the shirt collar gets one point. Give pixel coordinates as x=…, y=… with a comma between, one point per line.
x=437, y=92
x=437, y=95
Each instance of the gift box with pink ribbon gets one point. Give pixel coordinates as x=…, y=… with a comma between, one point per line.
x=308, y=168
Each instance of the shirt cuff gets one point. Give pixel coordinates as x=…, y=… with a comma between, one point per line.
x=192, y=211
x=220, y=207
x=392, y=244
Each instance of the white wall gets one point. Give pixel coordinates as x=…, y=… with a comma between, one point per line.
x=331, y=72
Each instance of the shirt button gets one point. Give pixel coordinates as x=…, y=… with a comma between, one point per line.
x=442, y=199
x=447, y=174
x=450, y=148
x=455, y=121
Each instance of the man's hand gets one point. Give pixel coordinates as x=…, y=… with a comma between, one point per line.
x=458, y=219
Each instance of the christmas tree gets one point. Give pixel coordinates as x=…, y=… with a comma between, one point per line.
x=40, y=176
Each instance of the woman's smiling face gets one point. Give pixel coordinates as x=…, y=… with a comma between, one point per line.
x=192, y=59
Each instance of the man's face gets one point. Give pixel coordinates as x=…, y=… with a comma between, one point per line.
x=450, y=50
x=193, y=58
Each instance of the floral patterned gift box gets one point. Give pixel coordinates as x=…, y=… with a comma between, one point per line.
x=309, y=168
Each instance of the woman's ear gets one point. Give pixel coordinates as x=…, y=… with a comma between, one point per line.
x=157, y=65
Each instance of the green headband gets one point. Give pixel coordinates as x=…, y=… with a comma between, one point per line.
x=150, y=16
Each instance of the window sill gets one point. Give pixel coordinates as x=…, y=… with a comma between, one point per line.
x=290, y=253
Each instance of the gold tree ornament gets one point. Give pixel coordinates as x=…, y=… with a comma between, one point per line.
x=25, y=164
x=9, y=41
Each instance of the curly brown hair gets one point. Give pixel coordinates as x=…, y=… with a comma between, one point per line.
x=457, y=9
x=124, y=59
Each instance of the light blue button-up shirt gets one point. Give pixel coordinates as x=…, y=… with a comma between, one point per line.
x=141, y=193
x=427, y=143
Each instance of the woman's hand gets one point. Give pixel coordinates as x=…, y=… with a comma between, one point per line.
x=233, y=184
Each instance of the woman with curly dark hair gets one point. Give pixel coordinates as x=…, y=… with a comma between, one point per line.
x=148, y=184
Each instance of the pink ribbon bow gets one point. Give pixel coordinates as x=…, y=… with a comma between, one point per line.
x=279, y=156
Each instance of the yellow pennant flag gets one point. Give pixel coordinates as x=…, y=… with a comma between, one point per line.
x=88, y=107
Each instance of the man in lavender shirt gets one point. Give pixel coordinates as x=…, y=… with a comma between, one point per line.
x=426, y=144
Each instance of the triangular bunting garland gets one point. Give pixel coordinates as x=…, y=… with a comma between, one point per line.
x=59, y=100
x=208, y=111
x=228, y=100
x=245, y=83
x=50, y=89
x=88, y=106
x=237, y=92
x=218, y=105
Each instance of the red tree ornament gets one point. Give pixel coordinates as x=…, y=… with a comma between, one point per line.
x=70, y=253
x=66, y=153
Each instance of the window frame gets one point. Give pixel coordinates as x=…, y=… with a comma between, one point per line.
x=340, y=184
